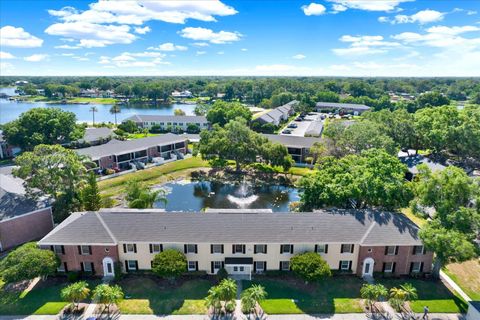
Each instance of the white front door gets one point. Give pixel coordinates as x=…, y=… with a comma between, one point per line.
x=368, y=267
x=108, y=270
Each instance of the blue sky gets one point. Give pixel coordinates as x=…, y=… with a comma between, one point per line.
x=320, y=38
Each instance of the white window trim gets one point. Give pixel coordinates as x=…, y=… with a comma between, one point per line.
x=192, y=247
x=421, y=251
x=262, y=264
x=264, y=248
x=349, y=251
x=159, y=248
x=322, y=246
x=388, y=270
x=134, y=265
x=394, y=250
x=85, y=264
x=133, y=248
x=194, y=266
x=283, y=268
x=288, y=246
x=219, y=248
x=83, y=252
x=215, y=267
x=235, y=251
x=55, y=247
x=419, y=266
x=342, y=267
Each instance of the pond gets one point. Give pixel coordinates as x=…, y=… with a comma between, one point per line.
x=10, y=110
x=194, y=196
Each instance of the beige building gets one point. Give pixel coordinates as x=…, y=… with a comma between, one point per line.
x=358, y=242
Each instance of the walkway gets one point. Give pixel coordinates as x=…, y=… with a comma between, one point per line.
x=453, y=285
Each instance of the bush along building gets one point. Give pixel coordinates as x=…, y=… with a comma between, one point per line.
x=359, y=242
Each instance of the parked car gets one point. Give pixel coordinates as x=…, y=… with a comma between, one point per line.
x=286, y=131
x=298, y=119
x=292, y=125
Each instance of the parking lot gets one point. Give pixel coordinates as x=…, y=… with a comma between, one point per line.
x=302, y=126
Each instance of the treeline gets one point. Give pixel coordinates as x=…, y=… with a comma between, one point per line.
x=268, y=91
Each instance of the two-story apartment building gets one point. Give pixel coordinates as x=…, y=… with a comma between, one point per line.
x=297, y=147
x=119, y=154
x=358, y=242
x=278, y=114
x=168, y=122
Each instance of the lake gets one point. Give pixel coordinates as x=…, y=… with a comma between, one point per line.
x=194, y=196
x=10, y=110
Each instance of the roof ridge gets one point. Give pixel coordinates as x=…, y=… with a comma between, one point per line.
x=110, y=233
x=368, y=231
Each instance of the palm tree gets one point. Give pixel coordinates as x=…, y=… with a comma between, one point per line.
x=93, y=110
x=252, y=296
x=75, y=293
x=107, y=295
x=114, y=110
x=213, y=299
x=410, y=291
x=139, y=196
x=372, y=293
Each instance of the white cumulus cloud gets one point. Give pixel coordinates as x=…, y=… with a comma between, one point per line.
x=36, y=57
x=18, y=37
x=421, y=17
x=204, y=34
x=364, y=45
x=141, y=30
x=314, y=9
x=168, y=46
x=367, y=5
x=6, y=55
x=299, y=56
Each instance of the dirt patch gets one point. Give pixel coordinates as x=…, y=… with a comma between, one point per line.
x=467, y=276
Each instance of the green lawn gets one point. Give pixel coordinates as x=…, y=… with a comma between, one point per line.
x=288, y=295
x=69, y=100
x=146, y=296
x=433, y=294
x=291, y=296
x=151, y=176
x=419, y=221
x=44, y=300
x=140, y=135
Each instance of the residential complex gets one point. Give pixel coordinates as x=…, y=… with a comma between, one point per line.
x=22, y=219
x=169, y=122
x=297, y=147
x=120, y=154
x=356, y=109
x=351, y=241
x=279, y=114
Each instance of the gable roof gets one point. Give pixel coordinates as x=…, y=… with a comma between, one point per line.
x=114, y=147
x=335, y=226
x=292, y=141
x=13, y=199
x=95, y=134
x=347, y=106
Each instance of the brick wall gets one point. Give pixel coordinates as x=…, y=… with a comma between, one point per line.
x=402, y=259
x=74, y=259
x=25, y=228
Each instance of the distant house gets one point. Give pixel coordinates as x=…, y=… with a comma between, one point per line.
x=355, y=109
x=21, y=83
x=165, y=122
x=181, y=94
x=21, y=219
x=6, y=150
x=298, y=147
x=279, y=114
x=413, y=160
x=94, y=136
x=120, y=154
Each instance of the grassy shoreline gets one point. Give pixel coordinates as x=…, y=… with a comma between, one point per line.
x=76, y=100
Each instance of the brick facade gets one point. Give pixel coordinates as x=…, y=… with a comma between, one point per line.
x=403, y=258
x=73, y=259
x=25, y=228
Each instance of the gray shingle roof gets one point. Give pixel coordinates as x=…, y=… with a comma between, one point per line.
x=166, y=118
x=293, y=141
x=349, y=106
x=119, y=147
x=276, y=114
x=13, y=200
x=339, y=226
x=94, y=134
x=315, y=128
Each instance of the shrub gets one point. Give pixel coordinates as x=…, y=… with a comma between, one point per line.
x=222, y=274
x=72, y=276
x=310, y=266
x=230, y=306
x=169, y=264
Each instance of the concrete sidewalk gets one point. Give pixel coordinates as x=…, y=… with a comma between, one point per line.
x=454, y=286
x=348, y=316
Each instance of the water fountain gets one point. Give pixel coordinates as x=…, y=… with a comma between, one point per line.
x=243, y=197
